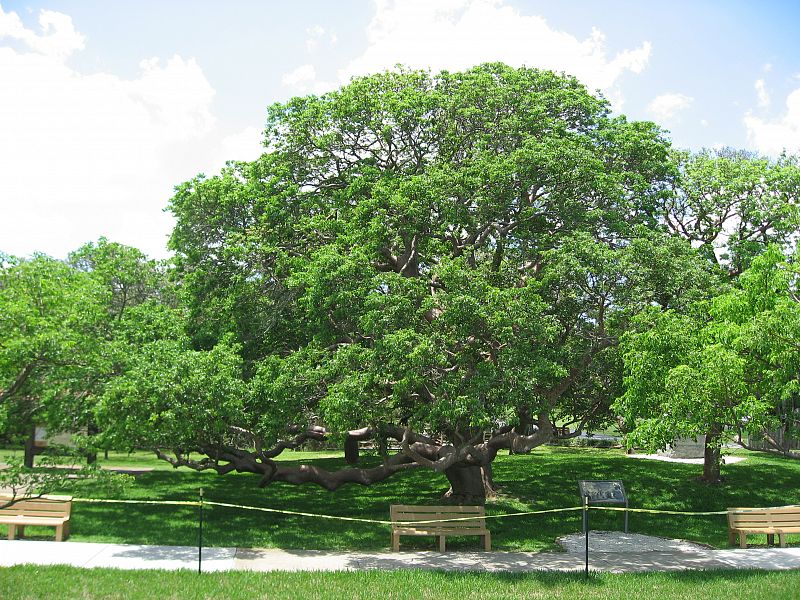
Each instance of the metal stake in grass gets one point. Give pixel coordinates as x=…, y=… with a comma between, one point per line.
x=200, y=537
x=586, y=529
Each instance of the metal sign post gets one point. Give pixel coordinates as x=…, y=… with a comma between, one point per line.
x=200, y=537
x=586, y=529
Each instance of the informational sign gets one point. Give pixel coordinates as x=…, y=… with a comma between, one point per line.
x=604, y=492
x=42, y=438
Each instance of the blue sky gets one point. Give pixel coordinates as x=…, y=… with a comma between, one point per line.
x=106, y=105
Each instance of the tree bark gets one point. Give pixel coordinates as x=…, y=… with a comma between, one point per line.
x=467, y=468
x=466, y=485
x=489, y=489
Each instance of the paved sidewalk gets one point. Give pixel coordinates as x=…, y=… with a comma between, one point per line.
x=126, y=556
x=119, y=556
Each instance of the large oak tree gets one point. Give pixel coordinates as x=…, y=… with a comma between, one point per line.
x=419, y=258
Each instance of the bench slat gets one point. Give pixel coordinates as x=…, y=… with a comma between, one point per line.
x=439, y=531
x=769, y=529
x=439, y=517
x=24, y=520
x=37, y=513
x=757, y=516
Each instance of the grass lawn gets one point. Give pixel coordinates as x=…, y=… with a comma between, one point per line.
x=547, y=478
x=68, y=583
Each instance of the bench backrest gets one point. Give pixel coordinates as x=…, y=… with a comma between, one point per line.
x=408, y=514
x=44, y=506
x=743, y=518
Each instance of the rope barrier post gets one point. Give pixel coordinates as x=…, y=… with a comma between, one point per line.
x=626, y=514
x=586, y=529
x=200, y=536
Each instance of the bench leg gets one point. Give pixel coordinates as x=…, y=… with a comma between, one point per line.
x=60, y=533
x=731, y=537
x=770, y=539
x=395, y=542
x=66, y=530
x=487, y=542
x=441, y=543
x=12, y=531
x=742, y=539
x=20, y=531
x=782, y=538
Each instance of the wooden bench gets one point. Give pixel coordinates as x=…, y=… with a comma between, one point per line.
x=404, y=522
x=745, y=521
x=47, y=511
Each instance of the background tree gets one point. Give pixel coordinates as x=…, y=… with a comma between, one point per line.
x=415, y=257
x=129, y=276
x=733, y=204
x=50, y=317
x=726, y=368
x=59, y=328
x=761, y=320
x=128, y=279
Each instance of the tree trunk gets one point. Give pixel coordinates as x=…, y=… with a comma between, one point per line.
x=711, y=457
x=469, y=485
x=30, y=448
x=91, y=456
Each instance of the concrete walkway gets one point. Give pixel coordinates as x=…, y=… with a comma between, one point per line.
x=119, y=556
x=126, y=556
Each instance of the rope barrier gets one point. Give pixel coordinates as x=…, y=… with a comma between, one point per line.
x=660, y=512
x=385, y=522
x=388, y=522
x=298, y=513
x=110, y=501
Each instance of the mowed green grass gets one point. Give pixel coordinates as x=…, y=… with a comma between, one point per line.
x=546, y=478
x=66, y=583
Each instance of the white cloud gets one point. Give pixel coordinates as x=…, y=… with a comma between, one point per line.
x=88, y=155
x=242, y=145
x=761, y=92
x=704, y=122
x=315, y=34
x=303, y=80
x=58, y=39
x=458, y=34
x=665, y=107
x=772, y=136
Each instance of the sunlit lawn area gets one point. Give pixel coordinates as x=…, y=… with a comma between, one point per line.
x=67, y=583
x=547, y=478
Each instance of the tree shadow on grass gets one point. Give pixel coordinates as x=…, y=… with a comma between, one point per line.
x=547, y=478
